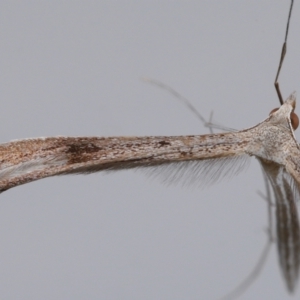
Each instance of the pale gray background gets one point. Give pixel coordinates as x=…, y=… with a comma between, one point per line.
x=72, y=68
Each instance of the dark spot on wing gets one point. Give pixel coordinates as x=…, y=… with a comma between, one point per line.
x=164, y=143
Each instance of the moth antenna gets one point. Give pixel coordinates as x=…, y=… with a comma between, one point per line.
x=283, y=52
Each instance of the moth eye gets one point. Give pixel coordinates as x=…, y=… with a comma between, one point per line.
x=273, y=110
x=294, y=120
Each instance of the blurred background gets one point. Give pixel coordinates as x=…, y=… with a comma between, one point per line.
x=73, y=68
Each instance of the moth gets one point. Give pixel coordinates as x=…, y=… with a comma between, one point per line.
x=197, y=157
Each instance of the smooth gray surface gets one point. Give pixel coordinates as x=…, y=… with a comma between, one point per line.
x=72, y=68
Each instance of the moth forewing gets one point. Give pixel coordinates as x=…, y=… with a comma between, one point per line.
x=32, y=159
x=28, y=160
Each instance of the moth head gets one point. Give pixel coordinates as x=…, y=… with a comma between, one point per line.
x=294, y=118
x=289, y=106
